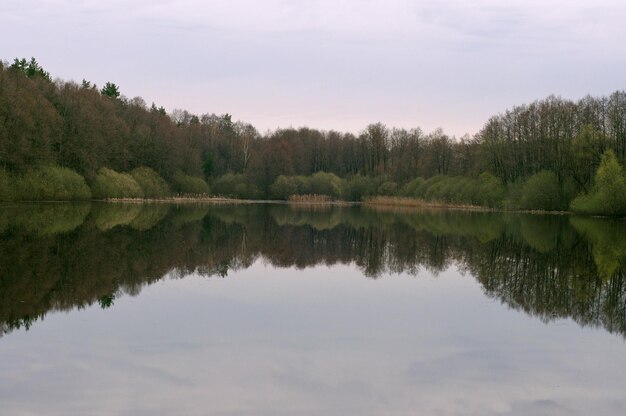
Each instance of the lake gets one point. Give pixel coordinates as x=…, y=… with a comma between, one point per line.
x=269, y=309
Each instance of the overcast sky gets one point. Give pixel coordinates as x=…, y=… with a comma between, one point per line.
x=329, y=64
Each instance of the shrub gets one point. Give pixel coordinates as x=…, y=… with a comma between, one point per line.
x=411, y=188
x=514, y=195
x=112, y=184
x=283, y=187
x=51, y=183
x=491, y=191
x=433, y=187
x=466, y=191
x=423, y=189
x=608, y=195
x=359, y=187
x=235, y=185
x=303, y=185
x=152, y=185
x=541, y=191
x=388, y=188
x=189, y=185
x=323, y=183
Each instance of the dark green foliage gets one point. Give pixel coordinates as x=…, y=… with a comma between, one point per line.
x=491, y=191
x=542, y=192
x=152, y=185
x=410, y=190
x=235, y=185
x=110, y=90
x=303, y=185
x=30, y=68
x=608, y=195
x=208, y=165
x=323, y=183
x=358, y=187
x=111, y=184
x=283, y=187
x=189, y=185
x=106, y=301
x=486, y=190
x=388, y=188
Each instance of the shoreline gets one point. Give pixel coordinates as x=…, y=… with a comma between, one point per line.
x=397, y=204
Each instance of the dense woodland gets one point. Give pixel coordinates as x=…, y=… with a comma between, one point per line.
x=66, y=256
x=68, y=140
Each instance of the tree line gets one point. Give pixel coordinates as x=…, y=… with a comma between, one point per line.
x=552, y=146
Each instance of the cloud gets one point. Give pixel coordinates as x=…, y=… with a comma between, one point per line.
x=330, y=63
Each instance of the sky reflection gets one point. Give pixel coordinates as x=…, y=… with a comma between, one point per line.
x=323, y=340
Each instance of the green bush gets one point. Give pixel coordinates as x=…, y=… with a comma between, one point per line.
x=541, y=191
x=608, y=195
x=388, y=188
x=487, y=190
x=323, y=183
x=359, y=187
x=303, y=184
x=152, y=185
x=423, y=189
x=51, y=183
x=491, y=191
x=465, y=191
x=283, y=187
x=433, y=188
x=410, y=189
x=189, y=185
x=514, y=195
x=235, y=186
x=112, y=184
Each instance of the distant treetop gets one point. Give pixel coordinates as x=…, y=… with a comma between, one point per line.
x=110, y=90
x=30, y=68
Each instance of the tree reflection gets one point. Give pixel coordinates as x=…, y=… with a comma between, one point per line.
x=64, y=256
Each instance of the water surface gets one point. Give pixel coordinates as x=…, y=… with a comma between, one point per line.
x=270, y=309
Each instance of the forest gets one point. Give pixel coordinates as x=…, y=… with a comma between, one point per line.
x=63, y=140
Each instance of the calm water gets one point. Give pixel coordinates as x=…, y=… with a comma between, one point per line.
x=273, y=310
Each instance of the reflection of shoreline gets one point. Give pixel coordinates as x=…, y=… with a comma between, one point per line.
x=407, y=205
x=62, y=256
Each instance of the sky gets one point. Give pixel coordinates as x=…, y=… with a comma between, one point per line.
x=329, y=64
